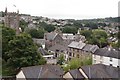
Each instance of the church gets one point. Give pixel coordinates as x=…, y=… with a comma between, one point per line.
x=12, y=19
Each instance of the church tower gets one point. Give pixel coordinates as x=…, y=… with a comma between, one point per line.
x=12, y=20
x=6, y=22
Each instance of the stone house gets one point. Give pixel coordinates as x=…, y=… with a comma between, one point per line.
x=75, y=49
x=52, y=39
x=81, y=50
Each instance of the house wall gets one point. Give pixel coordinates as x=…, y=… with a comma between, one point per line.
x=58, y=39
x=96, y=59
x=77, y=53
x=68, y=75
x=20, y=76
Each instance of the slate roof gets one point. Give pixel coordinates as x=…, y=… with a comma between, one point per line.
x=43, y=71
x=101, y=71
x=76, y=73
x=43, y=51
x=94, y=48
x=68, y=36
x=50, y=36
x=58, y=47
x=87, y=47
x=78, y=45
x=90, y=48
x=108, y=53
x=73, y=37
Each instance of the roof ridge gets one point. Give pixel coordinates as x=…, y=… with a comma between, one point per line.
x=55, y=35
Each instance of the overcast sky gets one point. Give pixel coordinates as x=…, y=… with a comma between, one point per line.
x=64, y=9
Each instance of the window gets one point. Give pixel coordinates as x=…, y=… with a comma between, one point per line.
x=94, y=56
x=77, y=50
x=77, y=55
x=70, y=54
x=101, y=57
x=73, y=54
x=55, y=54
x=94, y=61
x=110, y=64
x=73, y=49
x=57, y=50
x=100, y=62
x=110, y=59
x=48, y=57
x=62, y=51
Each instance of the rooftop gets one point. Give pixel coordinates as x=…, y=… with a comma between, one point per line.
x=43, y=71
x=101, y=71
x=108, y=53
x=78, y=45
x=50, y=36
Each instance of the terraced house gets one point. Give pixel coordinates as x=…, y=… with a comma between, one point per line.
x=52, y=39
x=80, y=50
x=107, y=56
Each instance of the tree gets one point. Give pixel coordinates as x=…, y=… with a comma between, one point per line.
x=77, y=24
x=74, y=63
x=61, y=59
x=101, y=37
x=77, y=62
x=96, y=37
x=102, y=24
x=20, y=52
x=35, y=33
x=7, y=35
x=91, y=25
x=23, y=24
x=86, y=33
x=98, y=33
x=23, y=52
x=69, y=30
x=47, y=27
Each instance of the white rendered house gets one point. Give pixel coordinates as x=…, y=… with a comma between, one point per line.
x=107, y=57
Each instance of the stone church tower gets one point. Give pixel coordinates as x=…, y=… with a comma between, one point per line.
x=12, y=20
